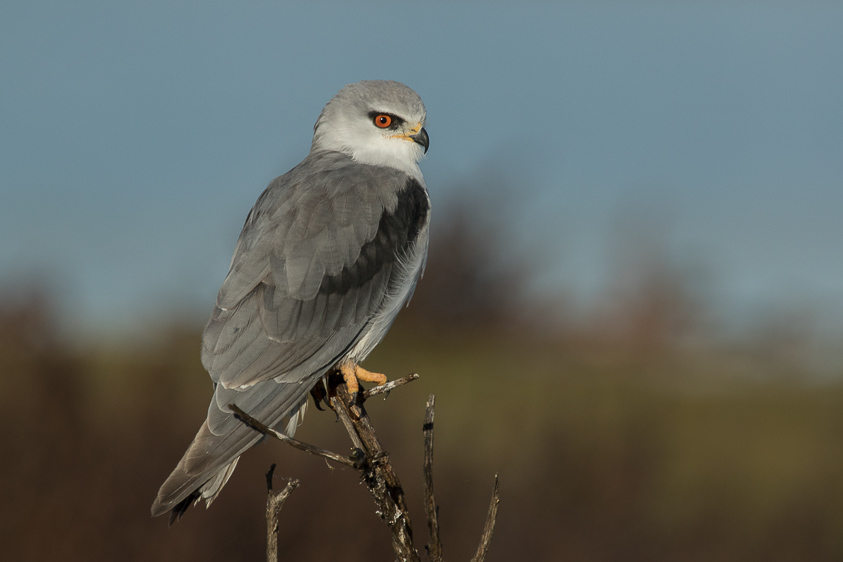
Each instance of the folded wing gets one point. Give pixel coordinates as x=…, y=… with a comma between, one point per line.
x=311, y=270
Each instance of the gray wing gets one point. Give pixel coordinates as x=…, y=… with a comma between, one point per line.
x=311, y=269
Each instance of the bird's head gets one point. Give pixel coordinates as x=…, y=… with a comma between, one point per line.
x=376, y=122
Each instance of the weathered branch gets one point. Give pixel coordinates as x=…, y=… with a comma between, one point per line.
x=261, y=428
x=389, y=387
x=373, y=463
x=489, y=528
x=378, y=474
x=274, y=502
x=434, y=544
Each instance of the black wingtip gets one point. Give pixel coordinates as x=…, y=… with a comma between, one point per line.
x=178, y=510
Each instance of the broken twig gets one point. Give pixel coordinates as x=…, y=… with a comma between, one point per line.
x=434, y=544
x=378, y=474
x=274, y=502
x=489, y=528
x=389, y=387
x=261, y=428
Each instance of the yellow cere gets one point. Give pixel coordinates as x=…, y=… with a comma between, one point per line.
x=406, y=136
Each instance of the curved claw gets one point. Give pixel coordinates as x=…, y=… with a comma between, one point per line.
x=319, y=395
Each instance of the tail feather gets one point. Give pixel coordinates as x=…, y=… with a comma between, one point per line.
x=201, y=474
x=208, y=491
x=177, y=512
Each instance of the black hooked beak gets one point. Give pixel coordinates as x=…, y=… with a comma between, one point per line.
x=422, y=139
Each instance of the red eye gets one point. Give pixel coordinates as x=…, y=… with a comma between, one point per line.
x=383, y=120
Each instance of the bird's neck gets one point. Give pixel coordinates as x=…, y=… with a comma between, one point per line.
x=398, y=154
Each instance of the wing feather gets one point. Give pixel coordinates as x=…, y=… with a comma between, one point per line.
x=311, y=270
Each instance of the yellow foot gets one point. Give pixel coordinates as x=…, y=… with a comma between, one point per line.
x=351, y=374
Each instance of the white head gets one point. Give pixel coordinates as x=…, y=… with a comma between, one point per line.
x=376, y=122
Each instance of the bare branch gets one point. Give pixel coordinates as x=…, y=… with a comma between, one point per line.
x=274, y=502
x=489, y=528
x=390, y=386
x=261, y=428
x=434, y=545
x=345, y=418
x=378, y=475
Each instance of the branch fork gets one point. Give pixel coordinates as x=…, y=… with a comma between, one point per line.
x=377, y=472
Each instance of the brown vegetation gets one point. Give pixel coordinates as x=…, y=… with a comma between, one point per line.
x=611, y=443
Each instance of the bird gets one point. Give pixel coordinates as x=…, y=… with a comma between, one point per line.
x=328, y=255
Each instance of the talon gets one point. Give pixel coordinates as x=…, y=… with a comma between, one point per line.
x=355, y=398
x=352, y=374
x=319, y=395
x=316, y=403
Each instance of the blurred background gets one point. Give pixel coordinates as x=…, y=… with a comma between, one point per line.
x=632, y=311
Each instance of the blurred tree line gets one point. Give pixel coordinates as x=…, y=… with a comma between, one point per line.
x=615, y=438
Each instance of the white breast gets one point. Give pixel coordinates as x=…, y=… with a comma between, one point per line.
x=408, y=269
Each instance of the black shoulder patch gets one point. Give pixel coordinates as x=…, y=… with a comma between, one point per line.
x=412, y=210
x=397, y=231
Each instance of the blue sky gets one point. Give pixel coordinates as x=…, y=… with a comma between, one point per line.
x=134, y=137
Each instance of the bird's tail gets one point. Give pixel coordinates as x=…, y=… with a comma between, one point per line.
x=208, y=463
x=208, y=491
x=196, y=477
